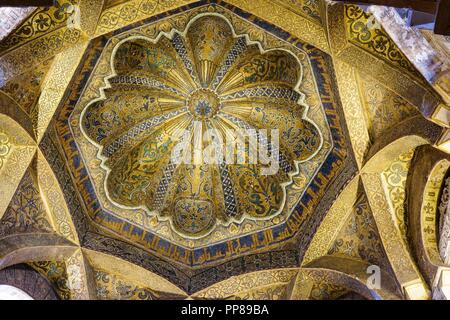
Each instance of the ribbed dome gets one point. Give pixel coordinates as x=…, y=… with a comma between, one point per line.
x=211, y=83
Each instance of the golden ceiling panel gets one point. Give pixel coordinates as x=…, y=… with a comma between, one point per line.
x=122, y=13
x=17, y=150
x=112, y=287
x=333, y=223
x=359, y=237
x=111, y=3
x=287, y=18
x=53, y=199
x=26, y=87
x=31, y=54
x=354, y=110
x=64, y=65
x=101, y=206
x=362, y=32
x=5, y=147
x=384, y=109
x=358, y=40
x=327, y=291
x=352, y=274
x=261, y=285
x=26, y=212
x=402, y=263
x=55, y=272
x=118, y=279
x=41, y=22
x=37, y=205
x=310, y=9
x=395, y=180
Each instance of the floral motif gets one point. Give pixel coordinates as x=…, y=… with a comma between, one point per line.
x=55, y=272
x=359, y=238
x=395, y=177
x=5, y=147
x=42, y=21
x=26, y=211
x=111, y=287
x=385, y=109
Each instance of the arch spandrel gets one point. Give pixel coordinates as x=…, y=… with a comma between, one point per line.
x=431, y=165
x=17, y=150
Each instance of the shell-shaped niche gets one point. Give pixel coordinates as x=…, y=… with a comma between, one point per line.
x=169, y=93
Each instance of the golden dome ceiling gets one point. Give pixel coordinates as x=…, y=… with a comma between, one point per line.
x=147, y=96
x=187, y=85
x=99, y=115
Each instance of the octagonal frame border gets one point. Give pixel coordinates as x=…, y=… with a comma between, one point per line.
x=339, y=162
